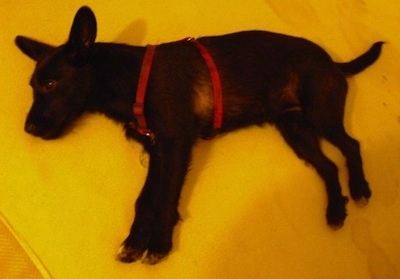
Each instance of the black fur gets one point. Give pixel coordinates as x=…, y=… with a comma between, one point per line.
x=266, y=77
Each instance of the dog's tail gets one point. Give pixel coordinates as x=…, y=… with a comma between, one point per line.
x=360, y=63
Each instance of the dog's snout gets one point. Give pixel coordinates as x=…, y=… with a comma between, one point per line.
x=43, y=130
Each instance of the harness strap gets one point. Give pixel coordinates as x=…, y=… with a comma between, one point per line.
x=217, y=87
x=138, y=107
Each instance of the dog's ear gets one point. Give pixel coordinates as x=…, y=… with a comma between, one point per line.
x=32, y=48
x=82, y=35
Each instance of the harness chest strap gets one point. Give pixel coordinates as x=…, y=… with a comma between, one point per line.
x=138, y=107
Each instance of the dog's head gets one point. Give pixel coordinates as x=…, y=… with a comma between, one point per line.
x=62, y=78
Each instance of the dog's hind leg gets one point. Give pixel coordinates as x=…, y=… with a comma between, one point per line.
x=327, y=119
x=359, y=189
x=305, y=143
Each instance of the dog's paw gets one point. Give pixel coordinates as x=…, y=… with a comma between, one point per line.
x=127, y=254
x=336, y=213
x=154, y=258
x=360, y=193
x=361, y=202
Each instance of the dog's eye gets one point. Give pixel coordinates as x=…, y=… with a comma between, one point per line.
x=49, y=85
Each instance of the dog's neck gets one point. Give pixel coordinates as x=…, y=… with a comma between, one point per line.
x=115, y=70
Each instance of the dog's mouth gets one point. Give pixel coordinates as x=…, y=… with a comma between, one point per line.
x=47, y=129
x=41, y=131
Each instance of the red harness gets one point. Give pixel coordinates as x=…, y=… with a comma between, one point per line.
x=138, y=107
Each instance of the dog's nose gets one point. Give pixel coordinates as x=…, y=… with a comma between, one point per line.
x=30, y=128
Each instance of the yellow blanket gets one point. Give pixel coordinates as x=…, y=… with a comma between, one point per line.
x=17, y=260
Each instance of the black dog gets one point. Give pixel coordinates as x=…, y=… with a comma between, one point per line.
x=263, y=77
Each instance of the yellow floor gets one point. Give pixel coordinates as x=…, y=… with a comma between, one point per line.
x=250, y=208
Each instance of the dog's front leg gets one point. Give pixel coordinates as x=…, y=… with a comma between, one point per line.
x=156, y=207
